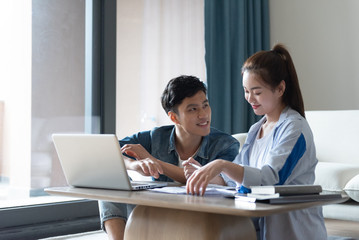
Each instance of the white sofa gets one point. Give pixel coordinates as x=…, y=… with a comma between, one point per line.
x=336, y=136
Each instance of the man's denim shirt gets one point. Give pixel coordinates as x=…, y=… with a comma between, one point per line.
x=160, y=143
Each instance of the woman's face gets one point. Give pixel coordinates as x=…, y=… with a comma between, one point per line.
x=260, y=96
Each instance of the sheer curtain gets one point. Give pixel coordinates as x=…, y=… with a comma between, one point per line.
x=168, y=42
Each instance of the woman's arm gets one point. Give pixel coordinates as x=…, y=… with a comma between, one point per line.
x=200, y=179
x=191, y=165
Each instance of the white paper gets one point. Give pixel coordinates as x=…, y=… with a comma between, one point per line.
x=211, y=190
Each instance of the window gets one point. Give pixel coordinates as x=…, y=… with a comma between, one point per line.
x=58, y=68
x=53, y=79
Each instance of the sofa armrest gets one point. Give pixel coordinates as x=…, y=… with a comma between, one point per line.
x=241, y=138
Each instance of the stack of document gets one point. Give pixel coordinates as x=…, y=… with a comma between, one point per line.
x=282, y=194
x=287, y=190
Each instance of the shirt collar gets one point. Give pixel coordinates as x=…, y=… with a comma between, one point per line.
x=202, y=151
x=283, y=116
x=172, y=146
x=203, y=148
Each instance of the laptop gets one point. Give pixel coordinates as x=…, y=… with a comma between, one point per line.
x=95, y=161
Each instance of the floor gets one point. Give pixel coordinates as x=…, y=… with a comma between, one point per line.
x=342, y=228
x=345, y=229
x=97, y=235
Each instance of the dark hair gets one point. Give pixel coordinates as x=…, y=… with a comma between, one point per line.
x=178, y=89
x=274, y=66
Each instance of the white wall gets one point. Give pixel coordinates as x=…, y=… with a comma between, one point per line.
x=323, y=37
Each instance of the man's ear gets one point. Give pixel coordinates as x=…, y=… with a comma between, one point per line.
x=173, y=117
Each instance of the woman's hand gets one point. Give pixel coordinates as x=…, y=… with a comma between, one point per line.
x=146, y=167
x=136, y=150
x=198, y=181
x=188, y=167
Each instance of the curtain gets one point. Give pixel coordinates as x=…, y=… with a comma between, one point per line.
x=173, y=45
x=234, y=30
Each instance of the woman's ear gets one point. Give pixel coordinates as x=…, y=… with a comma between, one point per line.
x=281, y=88
x=173, y=117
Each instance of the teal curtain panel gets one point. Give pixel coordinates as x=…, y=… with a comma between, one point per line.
x=234, y=30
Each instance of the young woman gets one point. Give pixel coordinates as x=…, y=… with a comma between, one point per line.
x=279, y=148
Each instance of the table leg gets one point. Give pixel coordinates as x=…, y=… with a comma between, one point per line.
x=147, y=223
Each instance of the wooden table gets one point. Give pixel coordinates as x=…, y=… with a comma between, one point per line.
x=169, y=216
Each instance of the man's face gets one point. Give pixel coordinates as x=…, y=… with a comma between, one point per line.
x=194, y=115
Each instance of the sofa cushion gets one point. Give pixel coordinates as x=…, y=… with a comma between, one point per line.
x=352, y=188
x=348, y=211
x=334, y=176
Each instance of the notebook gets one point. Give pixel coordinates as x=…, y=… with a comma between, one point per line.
x=289, y=199
x=95, y=161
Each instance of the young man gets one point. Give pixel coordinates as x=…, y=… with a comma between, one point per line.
x=161, y=151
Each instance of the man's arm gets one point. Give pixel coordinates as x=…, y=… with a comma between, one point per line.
x=139, y=152
x=172, y=171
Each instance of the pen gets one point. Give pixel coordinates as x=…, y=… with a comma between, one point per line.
x=195, y=166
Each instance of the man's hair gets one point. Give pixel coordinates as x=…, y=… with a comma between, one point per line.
x=178, y=89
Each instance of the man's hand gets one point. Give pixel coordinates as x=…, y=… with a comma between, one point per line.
x=189, y=167
x=136, y=150
x=146, y=167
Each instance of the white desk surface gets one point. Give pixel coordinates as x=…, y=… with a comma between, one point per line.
x=210, y=204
